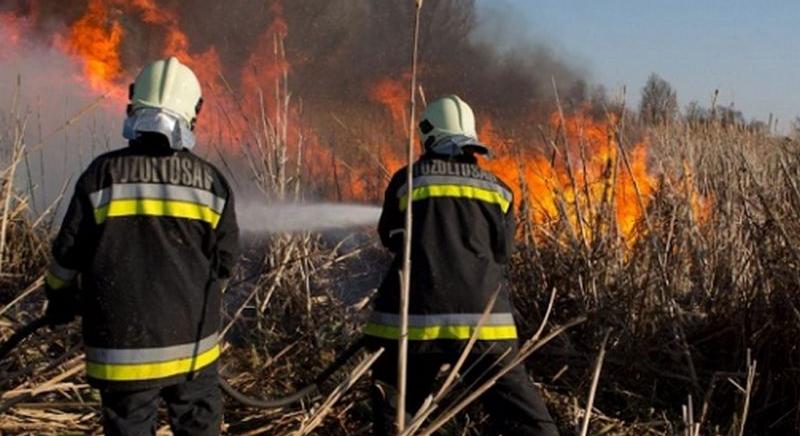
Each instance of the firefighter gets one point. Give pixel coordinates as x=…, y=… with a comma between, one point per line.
x=148, y=240
x=462, y=238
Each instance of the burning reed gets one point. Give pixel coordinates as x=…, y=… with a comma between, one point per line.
x=679, y=240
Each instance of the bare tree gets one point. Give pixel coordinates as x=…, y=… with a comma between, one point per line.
x=695, y=113
x=794, y=129
x=659, y=103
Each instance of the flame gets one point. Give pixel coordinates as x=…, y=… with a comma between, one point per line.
x=95, y=38
x=12, y=30
x=581, y=181
x=393, y=95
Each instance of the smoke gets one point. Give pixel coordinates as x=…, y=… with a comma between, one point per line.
x=260, y=217
x=338, y=47
x=336, y=50
x=40, y=94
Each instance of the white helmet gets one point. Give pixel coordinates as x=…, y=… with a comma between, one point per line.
x=165, y=98
x=168, y=84
x=449, y=118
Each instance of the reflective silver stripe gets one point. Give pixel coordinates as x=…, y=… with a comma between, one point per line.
x=396, y=232
x=62, y=273
x=150, y=355
x=454, y=180
x=443, y=319
x=157, y=191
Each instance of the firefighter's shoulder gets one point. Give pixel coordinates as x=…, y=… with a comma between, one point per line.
x=92, y=177
x=220, y=181
x=398, y=179
x=137, y=166
x=502, y=183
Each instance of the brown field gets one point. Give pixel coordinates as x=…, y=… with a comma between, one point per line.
x=692, y=298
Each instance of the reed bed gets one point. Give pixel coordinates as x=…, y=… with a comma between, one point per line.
x=689, y=328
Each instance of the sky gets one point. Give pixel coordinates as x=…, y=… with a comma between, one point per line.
x=749, y=50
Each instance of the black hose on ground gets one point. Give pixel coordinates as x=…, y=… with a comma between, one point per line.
x=21, y=334
x=246, y=400
x=276, y=403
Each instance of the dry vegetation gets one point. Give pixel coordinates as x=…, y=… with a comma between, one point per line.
x=695, y=306
x=697, y=319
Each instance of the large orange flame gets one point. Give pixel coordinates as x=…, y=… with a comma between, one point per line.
x=583, y=178
x=393, y=95
x=96, y=38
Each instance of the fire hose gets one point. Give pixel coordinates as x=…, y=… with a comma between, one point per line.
x=273, y=403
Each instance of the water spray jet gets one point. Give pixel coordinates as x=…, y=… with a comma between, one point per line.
x=258, y=217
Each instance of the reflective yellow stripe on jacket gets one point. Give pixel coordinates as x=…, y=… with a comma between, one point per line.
x=168, y=208
x=152, y=199
x=150, y=363
x=460, y=326
x=457, y=187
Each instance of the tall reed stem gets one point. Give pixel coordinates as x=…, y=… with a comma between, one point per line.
x=405, y=282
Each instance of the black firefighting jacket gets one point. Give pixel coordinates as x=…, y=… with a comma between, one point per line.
x=462, y=237
x=151, y=232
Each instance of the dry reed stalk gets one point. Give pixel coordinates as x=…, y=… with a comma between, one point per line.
x=432, y=402
x=53, y=207
x=63, y=127
x=524, y=352
x=316, y=419
x=16, y=158
x=405, y=278
x=28, y=291
x=661, y=258
x=598, y=368
x=573, y=184
x=76, y=366
x=747, y=391
x=692, y=428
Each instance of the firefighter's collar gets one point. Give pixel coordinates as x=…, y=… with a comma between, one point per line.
x=457, y=145
x=155, y=120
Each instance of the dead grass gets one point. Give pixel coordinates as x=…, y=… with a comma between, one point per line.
x=703, y=313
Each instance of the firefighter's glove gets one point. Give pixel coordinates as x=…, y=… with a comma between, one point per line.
x=62, y=305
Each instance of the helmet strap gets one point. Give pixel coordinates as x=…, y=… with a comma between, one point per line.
x=129, y=108
x=197, y=110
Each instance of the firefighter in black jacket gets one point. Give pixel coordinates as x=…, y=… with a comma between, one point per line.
x=462, y=237
x=151, y=235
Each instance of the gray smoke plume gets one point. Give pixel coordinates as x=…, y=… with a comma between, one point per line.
x=62, y=133
x=337, y=50
x=338, y=47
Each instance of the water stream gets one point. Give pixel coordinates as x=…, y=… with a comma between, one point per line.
x=264, y=218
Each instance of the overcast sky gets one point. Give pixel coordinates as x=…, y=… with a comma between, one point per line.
x=749, y=50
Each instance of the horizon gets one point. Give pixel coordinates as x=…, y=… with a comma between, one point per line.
x=742, y=49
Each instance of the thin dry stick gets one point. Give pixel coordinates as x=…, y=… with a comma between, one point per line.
x=33, y=287
x=405, y=283
x=337, y=393
x=53, y=206
x=19, y=148
x=44, y=387
x=432, y=402
x=578, y=213
x=751, y=376
x=85, y=110
x=430, y=406
x=523, y=354
x=598, y=368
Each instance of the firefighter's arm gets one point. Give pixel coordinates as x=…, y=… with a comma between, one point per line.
x=504, y=246
x=69, y=249
x=227, y=236
x=391, y=224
